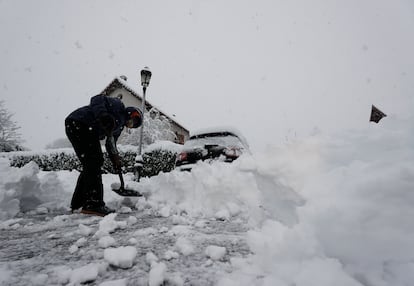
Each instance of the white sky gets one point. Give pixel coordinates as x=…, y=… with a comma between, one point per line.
x=273, y=69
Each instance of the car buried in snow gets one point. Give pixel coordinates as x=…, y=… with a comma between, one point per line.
x=213, y=144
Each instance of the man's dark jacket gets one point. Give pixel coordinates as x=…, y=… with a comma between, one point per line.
x=100, y=107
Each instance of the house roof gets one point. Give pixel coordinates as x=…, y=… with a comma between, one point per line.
x=119, y=82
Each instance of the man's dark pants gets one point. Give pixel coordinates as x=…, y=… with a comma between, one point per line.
x=89, y=189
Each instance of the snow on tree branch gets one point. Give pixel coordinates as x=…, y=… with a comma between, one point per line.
x=10, y=139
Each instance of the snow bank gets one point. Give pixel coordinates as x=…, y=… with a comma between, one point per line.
x=328, y=210
x=222, y=191
x=360, y=206
x=355, y=227
x=28, y=189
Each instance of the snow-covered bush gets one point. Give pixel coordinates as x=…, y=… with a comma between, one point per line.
x=159, y=158
x=158, y=161
x=53, y=161
x=127, y=160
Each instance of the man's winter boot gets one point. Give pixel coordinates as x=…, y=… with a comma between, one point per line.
x=97, y=210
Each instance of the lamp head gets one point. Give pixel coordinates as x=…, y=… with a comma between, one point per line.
x=145, y=76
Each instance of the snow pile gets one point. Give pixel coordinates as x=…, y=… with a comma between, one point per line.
x=24, y=190
x=328, y=210
x=355, y=227
x=285, y=256
x=223, y=191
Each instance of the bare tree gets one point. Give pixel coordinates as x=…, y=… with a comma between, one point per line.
x=10, y=139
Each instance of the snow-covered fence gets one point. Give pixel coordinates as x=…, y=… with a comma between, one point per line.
x=158, y=158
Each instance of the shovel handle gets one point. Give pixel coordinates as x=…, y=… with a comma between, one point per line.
x=121, y=178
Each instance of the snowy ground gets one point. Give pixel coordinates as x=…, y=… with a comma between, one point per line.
x=328, y=210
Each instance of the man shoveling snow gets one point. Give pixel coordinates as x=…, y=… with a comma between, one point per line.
x=103, y=117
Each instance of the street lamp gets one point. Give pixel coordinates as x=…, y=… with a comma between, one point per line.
x=145, y=77
x=145, y=80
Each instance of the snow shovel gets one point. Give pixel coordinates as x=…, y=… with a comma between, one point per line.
x=121, y=189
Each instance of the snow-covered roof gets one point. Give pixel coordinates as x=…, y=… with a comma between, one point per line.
x=119, y=82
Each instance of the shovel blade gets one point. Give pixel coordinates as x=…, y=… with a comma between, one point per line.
x=120, y=189
x=127, y=192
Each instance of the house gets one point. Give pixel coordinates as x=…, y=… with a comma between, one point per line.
x=120, y=88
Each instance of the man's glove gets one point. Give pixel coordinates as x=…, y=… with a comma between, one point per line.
x=107, y=122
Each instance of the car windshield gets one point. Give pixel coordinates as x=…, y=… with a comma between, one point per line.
x=222, y=139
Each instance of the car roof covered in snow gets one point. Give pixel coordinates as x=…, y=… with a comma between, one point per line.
x=219, y=129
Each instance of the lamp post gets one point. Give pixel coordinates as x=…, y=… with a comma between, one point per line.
x=145, y=80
